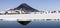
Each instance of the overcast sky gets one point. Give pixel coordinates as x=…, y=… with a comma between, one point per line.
x=37, y=4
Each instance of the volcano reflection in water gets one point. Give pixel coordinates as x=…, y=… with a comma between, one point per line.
x=32, y=24
x=24, y=22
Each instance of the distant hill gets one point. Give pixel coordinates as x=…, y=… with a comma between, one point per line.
x=25, y=8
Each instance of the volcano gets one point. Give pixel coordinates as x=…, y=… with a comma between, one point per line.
x=25, y=8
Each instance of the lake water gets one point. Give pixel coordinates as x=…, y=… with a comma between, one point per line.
x=33, y=24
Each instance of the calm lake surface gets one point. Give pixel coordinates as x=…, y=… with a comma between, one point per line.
x=33, y=24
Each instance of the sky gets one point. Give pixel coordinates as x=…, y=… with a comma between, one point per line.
x=37, y=4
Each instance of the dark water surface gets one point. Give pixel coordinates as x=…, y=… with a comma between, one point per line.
x=33, y=24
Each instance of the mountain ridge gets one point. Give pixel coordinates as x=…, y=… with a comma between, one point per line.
x=25, y=8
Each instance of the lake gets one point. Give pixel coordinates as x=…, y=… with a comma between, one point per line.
x=33, y=24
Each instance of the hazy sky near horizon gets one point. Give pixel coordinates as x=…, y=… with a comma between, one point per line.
x=37, y=4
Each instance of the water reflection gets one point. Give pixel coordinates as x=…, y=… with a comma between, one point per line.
x=33, y=24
